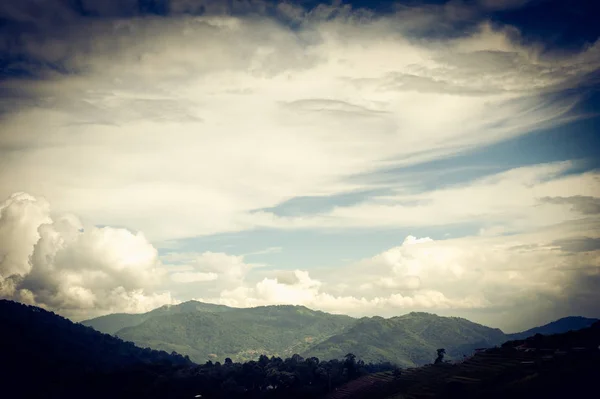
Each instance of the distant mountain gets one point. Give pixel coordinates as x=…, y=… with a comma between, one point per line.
x=240, y=334
x=44, y=353
x=214, y=332
x=559, y=326
x=112, y=323
x=408, y=340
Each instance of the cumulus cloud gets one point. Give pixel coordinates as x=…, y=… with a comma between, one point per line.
x=254, y=100
x=510, y=281
x=56, y=263
x=504, y=280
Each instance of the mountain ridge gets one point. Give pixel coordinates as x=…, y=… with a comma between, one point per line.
x=558, y=326
x=215, y=332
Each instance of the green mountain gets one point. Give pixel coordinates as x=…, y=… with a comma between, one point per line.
x=240, y=334
x=408, y=340
x=559, y=326
x=112, y=323
x=214, y=332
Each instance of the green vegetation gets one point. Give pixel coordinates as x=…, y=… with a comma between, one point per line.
x=215, y=332
x=240, y=334
x=408, y=340
x=112, y=323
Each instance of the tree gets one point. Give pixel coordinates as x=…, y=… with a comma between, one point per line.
x=440, y=356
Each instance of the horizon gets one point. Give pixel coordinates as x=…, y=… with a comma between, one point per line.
x=353, y=157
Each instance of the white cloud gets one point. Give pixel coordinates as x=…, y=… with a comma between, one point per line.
x=182, y=126
x=193, y=277
x=82, y=272
x=506, y=280
x=57, y=264
x=513, y=201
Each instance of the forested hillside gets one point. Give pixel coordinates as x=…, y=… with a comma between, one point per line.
x=214, y=332
x=45, y=355
x=112, y=323
x=409, y=340
x=240, y=334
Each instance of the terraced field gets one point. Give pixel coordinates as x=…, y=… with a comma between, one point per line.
x=367, y=386
x=428, y=381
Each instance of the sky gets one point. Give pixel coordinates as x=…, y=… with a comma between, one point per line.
x=365, y=158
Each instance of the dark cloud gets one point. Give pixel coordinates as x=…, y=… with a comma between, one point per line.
x=582, y=294
x=584, y=204
x=38, y=38
x=580, y=244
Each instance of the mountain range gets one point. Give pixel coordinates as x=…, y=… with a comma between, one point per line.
x=216, y=332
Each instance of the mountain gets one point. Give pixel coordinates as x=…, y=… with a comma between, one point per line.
x=44, y=354
x=240, y=334
x=408, y=340
x=47, y=356
x=540, y=367
x=559, y=326
x=214, y=332
x=112, y=323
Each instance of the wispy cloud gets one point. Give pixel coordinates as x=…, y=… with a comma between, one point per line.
x=153, y=136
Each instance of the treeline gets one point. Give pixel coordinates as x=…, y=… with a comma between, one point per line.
x=294, y=377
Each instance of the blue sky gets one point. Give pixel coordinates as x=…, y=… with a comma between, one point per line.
x=357, y=157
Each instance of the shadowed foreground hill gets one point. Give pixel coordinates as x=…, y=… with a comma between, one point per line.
x=540, y=367
x=43, y=352
x=47, y=356
x=408, y=340
x=240, y=334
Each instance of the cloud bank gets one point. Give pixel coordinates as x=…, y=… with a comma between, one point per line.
x=57, y=264
x=193, y=118
x=184, y=126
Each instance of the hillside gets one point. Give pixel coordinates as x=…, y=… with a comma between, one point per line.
x=112, y=323
x=240, y=334
x=214, y=332
x=42, y=351
x=542, y=366
x=559, y=326
x=408, y=340
x=47, y=356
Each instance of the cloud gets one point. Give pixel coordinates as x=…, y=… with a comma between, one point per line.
x=190, y=133
x=585, y=204
x=510, y=281
x=578, y=244
x=56, y=263
x=503, y=4
x=193, y=277
x=484, y=201
x=266, y=251
x=506, y=280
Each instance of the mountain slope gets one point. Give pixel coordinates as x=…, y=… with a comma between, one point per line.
x=112, y=323
x=408, y=340
x=43, y=352
x=559, y=326
x=240, y=334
